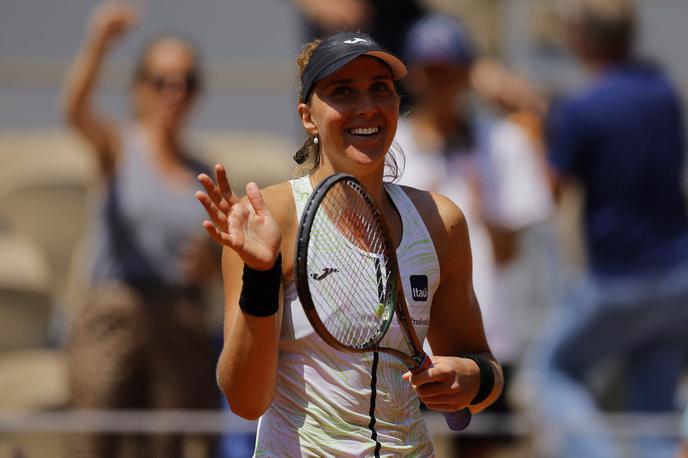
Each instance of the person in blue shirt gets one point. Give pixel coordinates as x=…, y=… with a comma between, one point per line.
x=621, y=138
x=683, y=453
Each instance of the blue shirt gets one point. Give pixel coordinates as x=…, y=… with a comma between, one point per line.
x=622, y=138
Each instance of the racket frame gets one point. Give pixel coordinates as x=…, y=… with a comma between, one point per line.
x=417, y=360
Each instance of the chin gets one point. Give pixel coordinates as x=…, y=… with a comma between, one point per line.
x=172, y=121
x=366, y=156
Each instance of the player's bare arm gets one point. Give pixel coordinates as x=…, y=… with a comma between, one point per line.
x=247, y=366
x=456, y=327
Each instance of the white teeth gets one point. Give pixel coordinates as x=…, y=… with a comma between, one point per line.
x=364, y=131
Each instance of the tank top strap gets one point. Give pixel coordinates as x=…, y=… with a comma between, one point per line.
x=301, y=188
x=414, y=228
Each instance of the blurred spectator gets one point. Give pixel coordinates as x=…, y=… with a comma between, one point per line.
x=622, y=139
x=517, y=205
x=140, y=340
x=511, y=96
x=385, y=20
x=683, y=453
x=489, y=166
x=388, y=21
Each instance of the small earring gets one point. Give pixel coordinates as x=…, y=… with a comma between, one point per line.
x=315, y=140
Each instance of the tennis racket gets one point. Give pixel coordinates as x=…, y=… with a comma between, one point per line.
x=343, y=231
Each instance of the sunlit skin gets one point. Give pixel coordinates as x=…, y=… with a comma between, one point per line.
x=354, y=115
x=360, y=95
x=171, y=61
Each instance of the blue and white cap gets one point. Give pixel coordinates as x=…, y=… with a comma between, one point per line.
x=438, y=38
x=338, y=50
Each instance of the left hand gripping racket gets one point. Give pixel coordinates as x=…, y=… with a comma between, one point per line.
x=343, y=235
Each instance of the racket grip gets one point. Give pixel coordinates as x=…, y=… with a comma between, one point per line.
x=458, y=420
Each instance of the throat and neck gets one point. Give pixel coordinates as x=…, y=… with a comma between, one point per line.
x=374, y=184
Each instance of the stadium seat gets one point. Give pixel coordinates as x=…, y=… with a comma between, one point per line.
x=25, y=300
x=52, y=211
x=33, y=379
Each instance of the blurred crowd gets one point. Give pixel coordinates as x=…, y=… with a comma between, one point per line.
x=577, y=342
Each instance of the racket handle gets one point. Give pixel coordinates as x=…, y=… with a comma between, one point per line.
x=458, y=420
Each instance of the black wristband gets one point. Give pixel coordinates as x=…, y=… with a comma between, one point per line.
x=486, y=378
x=260, y=291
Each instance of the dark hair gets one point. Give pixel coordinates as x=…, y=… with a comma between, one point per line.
x=308, y=156
x=607, y=28
x=141, y=70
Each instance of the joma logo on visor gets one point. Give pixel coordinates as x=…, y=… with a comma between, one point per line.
x=353, y=41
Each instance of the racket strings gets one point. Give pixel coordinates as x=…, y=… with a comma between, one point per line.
x=353, y=227
x=354, y=304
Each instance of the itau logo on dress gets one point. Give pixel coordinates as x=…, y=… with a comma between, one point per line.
x=419, y=287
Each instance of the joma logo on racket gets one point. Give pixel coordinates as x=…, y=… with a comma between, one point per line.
x=326, y=271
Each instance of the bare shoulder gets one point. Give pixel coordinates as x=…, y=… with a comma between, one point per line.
x=445, y=221
x=439, y=212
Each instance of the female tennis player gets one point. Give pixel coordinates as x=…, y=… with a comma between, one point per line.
x=313, y=400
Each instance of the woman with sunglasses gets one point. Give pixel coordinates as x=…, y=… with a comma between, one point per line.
x=140, y=339
x=313, y=400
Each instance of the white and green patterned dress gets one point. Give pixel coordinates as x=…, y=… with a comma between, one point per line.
x=331, y=403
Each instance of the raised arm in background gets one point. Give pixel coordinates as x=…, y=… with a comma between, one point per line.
x=109, y=22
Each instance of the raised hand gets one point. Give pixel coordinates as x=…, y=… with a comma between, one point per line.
x=334, y=15
x=110, y=21
x=246, y=226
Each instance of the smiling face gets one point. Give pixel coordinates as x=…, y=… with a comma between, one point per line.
x=354, y=113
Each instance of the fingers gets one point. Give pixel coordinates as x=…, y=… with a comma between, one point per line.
x=128, y=16
x=443, y=407
x=430, y=375
x=436, y=390
x=110, y=19
x=228, y=229
x=220, y=193
x=233, y=237
x=446, y=386
x=256, y=198
x=220, y=237
x=223, y=183
x=214, y=193
x=218, y=217
x=441, y=394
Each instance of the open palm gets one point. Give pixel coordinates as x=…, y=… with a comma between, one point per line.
x=244, y=225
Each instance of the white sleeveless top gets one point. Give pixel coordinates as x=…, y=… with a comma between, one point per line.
x=333, y=403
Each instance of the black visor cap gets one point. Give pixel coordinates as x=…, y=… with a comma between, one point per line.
x=336, y=51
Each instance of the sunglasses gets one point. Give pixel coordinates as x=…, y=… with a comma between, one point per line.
x=189, y=84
